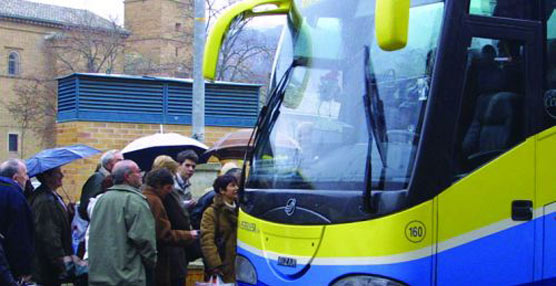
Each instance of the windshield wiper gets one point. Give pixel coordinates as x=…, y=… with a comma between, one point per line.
x=270, y=111
x=267, y=116
x=375, y=108
x=376, y=125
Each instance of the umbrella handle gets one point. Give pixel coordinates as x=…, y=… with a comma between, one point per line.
x=66, y=194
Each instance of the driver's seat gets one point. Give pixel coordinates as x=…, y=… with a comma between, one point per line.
x=497, y=126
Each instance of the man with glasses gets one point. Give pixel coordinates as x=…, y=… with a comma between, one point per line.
x=122, y=239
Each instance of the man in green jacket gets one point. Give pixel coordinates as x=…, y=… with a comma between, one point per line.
x=122, y=238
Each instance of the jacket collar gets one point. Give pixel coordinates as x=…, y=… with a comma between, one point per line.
x=43, y=188
x=220, y=203
x=7, y=180
x=126, y=188
x=103, y=171
x=181, y=183
x=151, y=191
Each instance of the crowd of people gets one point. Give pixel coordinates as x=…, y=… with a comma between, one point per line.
x=135, y=228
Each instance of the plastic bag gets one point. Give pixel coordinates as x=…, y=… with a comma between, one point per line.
x=214, y=280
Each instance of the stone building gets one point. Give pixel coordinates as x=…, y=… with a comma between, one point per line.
x=161, y=39
x=35, y=38
x=28, y=66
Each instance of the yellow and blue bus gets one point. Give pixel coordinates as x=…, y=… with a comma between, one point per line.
x=404, y=142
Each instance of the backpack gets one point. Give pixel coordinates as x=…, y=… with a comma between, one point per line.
x=193, y=251
x=197, y=212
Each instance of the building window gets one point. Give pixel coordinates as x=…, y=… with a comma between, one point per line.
x=12, y=142
x=13, y=63
x=177, y=28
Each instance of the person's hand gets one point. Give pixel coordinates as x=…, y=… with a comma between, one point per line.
x=81, y=266
x=26, y=278
x=215, y=271
x=24, y=281
x=194, y=233
x=67, y=267
x=61, y=263
x=190, y=203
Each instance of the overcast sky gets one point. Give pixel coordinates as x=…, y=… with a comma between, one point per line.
x=114, y=10
x=111, y=9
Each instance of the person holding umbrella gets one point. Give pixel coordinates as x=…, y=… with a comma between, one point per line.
x=53, y=261
x=54, y=257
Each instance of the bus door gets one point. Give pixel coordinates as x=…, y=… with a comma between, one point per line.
x=485, y=228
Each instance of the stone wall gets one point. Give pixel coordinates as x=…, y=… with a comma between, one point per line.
x=161, y=34
x=28, y=42
x=106, y=136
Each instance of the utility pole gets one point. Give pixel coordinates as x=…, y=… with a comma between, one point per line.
x=198, y=116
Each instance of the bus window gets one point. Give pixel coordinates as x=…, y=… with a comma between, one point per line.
x=551, y=44
x=491, y=120
x=550, y=92
x=517, y=9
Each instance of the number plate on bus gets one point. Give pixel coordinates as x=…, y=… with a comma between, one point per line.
x=287, y=261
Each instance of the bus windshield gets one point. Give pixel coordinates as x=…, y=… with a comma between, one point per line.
x=319, y=137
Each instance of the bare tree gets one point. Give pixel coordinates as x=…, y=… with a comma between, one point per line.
x=241, y=44
x=34, y=109
x=240, y=52
x=90, y=44
x=214, y=9
x=242, y=48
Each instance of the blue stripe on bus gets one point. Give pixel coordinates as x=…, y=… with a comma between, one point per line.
x=466, y=264
x=471, y=263
x=416, y=272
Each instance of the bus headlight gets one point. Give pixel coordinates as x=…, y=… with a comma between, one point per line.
x=245, y=272
x=366, y=280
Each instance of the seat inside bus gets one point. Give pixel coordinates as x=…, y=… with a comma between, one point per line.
x=492, y=110
x=496, y=127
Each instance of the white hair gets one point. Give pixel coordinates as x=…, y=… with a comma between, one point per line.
x=108, y=156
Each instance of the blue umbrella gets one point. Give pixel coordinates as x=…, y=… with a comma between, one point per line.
x=51, y=158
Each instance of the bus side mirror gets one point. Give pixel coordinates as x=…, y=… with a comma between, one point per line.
x=391, y=23
x=246, y=9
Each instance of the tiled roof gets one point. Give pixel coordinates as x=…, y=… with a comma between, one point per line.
x=51, y=14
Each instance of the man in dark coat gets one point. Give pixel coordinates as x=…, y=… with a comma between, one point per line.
x=16, y=224
x=94, y=185
x=52, y=226
x=6, y=277
x=176, y=205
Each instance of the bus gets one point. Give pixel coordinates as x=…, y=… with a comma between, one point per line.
x=424, y=144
